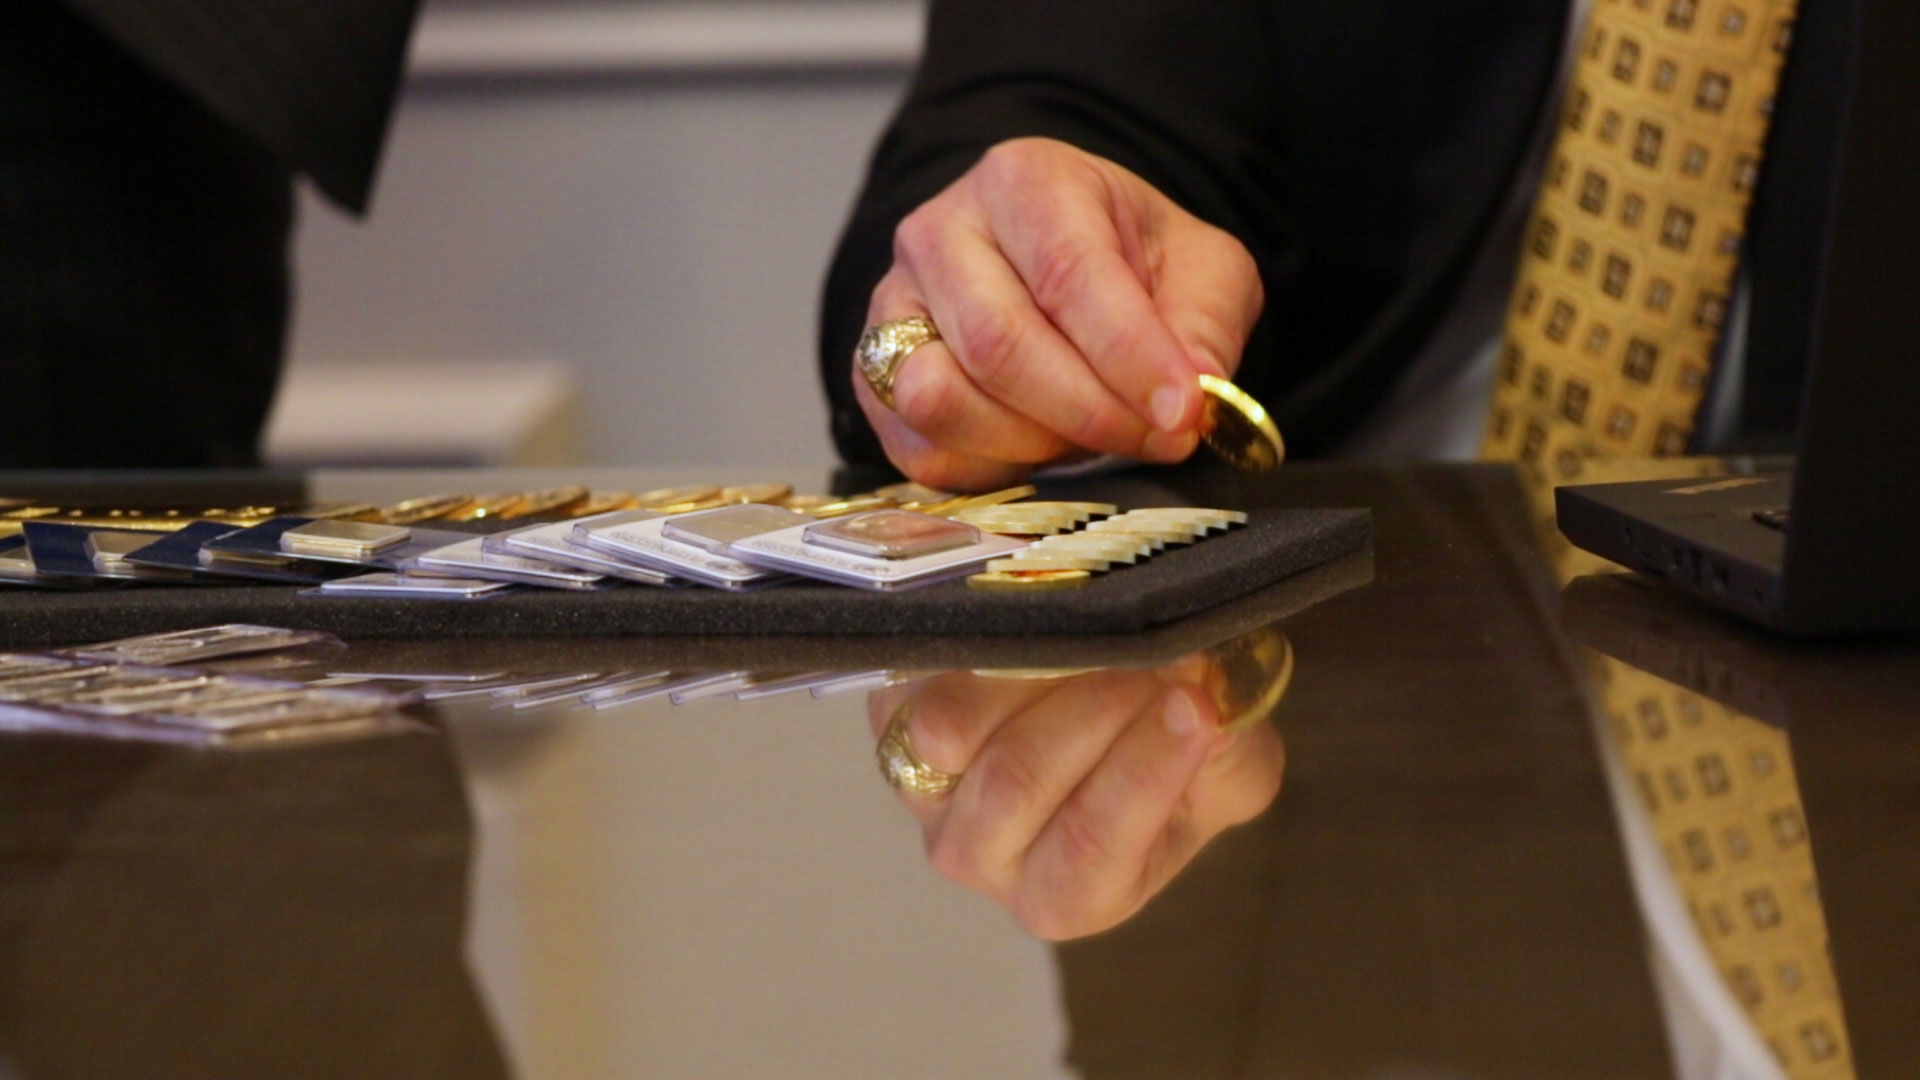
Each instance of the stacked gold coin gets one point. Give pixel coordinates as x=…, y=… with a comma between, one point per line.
x=1069, y=558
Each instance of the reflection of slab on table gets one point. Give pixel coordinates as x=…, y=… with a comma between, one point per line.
x=425, y=413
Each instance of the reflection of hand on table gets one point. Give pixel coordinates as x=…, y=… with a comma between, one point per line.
x=1077, y=306
x=1079, y=797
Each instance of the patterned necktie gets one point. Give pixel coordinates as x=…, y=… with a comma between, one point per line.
x=1630, y=257
x=1624, y=286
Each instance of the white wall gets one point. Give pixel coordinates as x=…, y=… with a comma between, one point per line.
x=648, y=193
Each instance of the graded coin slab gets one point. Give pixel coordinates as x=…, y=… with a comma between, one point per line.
x=350, y=538
x=892, y=534
x=712, y=530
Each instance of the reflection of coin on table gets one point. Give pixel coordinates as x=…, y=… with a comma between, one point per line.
x=1254, y=672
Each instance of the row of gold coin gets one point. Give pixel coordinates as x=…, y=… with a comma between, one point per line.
x=1070, y=546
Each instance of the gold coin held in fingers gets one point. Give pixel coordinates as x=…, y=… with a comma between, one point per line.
x=901, y=766
x=885, y=346
x=1237, y=428
x=424, y=508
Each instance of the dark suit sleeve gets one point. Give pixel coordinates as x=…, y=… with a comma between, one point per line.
x=1355, y=148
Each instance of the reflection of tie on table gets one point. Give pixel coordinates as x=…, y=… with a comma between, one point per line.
x=1625, y=282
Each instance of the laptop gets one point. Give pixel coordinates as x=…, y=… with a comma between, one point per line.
x=1831, y=546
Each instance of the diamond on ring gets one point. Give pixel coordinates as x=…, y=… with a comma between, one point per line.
x=885, y=346
x=902, y=767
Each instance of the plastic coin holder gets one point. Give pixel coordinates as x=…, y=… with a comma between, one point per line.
x=553, y=542
x=107, y=551
x=793, y=550
x=539, y=683
x=356, y=539
x=891, y=534
x=470, y=559
x=276, y=705
x=709, y=685
x=66, y=685
x=203, y=643
x=624, y=684
x=714, y=530
x=416, y=676
x=214, y=560
x=400, y=586
x=771, y=685
x=16, y=562
x=854, y=682
x=645, y=542
x=264, y=539
x=21, y=665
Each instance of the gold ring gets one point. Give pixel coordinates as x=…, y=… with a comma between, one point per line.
x=902, y=767
x=885, y=346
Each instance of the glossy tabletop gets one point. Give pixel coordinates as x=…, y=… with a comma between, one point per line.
x=1441, y=810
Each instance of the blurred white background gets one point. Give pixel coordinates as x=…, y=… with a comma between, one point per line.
x=599, y=236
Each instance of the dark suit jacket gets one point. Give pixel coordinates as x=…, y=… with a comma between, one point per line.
x=1360, y=148
x=313, y=82
x=146, y=153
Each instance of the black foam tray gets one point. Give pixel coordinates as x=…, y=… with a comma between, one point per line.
x=1169, y=586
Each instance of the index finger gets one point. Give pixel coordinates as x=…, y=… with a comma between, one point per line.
x=1081, y=249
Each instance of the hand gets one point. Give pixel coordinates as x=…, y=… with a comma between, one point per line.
x=1077, y=306
x=1080, y=797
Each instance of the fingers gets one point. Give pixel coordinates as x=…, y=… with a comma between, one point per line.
x=1076, y=306
x=1081, y=237
x=1005, y=347
x=1025, y=771
x=937, y=400
x=1092, y=856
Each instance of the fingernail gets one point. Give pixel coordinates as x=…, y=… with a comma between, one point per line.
x=1181, y=718
x=1169, y=405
